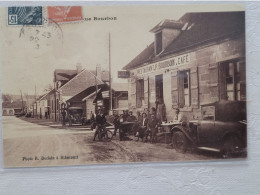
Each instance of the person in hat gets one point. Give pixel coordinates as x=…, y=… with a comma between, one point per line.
x=100, y=122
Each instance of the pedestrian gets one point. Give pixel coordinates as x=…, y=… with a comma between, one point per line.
x=100, y=122
x=125, y=115
x=152, y=129
x=138, y=122
x=116, y=122
x=141, y=131
x=161, y=111
x=131, y=117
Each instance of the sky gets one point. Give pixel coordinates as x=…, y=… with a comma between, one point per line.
x=29, y=55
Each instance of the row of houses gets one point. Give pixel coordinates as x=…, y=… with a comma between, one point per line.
x=80, y=89
x=196, y=60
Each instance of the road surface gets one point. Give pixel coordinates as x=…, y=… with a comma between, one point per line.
x=28, y=145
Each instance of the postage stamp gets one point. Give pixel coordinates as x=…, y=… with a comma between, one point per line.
x=25, y=15
x=62, y=14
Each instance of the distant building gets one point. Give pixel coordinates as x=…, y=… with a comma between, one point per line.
x=12, y=108
x=87, y=99
x=196, y=60
x=69, y=83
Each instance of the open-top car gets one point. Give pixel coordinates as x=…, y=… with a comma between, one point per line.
x=222, y=128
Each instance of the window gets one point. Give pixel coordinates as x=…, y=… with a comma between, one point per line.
x=139, y=93
x=184, y=88
x=230, y=79
x=158, y=43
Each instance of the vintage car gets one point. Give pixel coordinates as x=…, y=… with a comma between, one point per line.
x=222, y=128
x=75, y=115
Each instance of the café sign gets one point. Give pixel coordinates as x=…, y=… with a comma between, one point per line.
x=169, y=63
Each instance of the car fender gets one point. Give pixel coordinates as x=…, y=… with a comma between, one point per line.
x=184, y=131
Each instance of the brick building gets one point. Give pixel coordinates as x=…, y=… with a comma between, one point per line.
x=196, y=60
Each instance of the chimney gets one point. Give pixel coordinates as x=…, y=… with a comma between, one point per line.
x=98, y=71
x=79, y=68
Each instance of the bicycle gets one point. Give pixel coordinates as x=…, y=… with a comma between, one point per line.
x=104, y=134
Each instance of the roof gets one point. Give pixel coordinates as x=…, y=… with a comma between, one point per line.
x=64, y=74
x=115, y=87
x=15, y=104
x=170, y=24
x=144, y=57
x=86, y=92
x=198, y=29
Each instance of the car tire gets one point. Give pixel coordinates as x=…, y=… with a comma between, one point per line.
x=179, y=142
x=231, y=145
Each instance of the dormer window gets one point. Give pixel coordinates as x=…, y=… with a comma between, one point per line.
x=158, y=42
x=165, y=32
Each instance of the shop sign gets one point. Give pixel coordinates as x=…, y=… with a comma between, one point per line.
x=123, y=74
x=169, y=63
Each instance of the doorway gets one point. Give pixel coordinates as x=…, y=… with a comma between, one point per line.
x=159, y=86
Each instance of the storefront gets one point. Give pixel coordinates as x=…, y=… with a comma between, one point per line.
x=189, y=70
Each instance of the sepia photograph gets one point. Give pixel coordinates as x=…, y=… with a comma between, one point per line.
x=122, y=84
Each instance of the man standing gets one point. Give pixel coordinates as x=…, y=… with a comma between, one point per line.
x=152, y=129
x=116, y=122
x=100, y=122
x=141, y=131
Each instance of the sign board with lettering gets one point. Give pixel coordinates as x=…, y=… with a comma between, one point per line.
x=123, y=74
x=169, y=63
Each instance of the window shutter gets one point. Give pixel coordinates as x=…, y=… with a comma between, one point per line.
x=242, y=67
x=146, y=90
x=222, y=82
x=174, y=89
x=213, y=81
x=151, y=91
x=194, y=89
x=133, y=92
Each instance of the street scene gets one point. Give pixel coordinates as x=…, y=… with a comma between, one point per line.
x=26, y=141
x=174, y=89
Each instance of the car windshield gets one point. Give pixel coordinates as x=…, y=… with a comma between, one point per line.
x=208, y=113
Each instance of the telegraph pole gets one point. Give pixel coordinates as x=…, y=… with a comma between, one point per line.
x=110, y=79
x=36, y=103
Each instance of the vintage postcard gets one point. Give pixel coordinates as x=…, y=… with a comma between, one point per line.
x=122, y=84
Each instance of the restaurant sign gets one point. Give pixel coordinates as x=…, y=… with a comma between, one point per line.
x=169, y=63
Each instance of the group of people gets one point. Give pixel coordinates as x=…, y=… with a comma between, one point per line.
x=144, y=125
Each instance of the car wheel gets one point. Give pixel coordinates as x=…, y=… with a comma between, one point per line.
x=179, y=142
x=231, y=145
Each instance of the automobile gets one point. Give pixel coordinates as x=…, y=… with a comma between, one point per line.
x=20, y=114
x=222, y=128
x=75, y=115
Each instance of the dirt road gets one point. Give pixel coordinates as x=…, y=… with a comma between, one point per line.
x=28, y=145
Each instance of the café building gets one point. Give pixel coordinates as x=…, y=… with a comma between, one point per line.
x=196, y=60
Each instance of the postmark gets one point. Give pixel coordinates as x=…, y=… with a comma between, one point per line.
x=64, y=14
x=26, y=15
x=39, y=37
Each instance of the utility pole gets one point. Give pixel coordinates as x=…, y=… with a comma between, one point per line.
x=36, y=103
x=55, y=106
x=96, y=90
x=110, y=79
